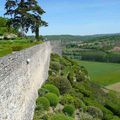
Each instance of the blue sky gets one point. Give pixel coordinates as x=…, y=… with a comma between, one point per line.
x=79, y=17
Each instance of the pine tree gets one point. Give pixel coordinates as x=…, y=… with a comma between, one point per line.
x=25, y=14
x=35, y=17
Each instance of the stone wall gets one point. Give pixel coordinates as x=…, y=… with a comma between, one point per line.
x=21, y=74
x=56, y=46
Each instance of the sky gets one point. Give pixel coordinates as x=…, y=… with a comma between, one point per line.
x=79, y=17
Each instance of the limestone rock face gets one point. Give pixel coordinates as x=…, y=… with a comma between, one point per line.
x=20, y=81
x=10, y=36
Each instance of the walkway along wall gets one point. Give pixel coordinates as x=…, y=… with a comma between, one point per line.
x=21, y=74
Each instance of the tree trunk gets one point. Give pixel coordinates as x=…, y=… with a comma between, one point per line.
x=37, y=33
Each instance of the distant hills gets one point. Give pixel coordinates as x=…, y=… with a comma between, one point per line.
x=79, y=37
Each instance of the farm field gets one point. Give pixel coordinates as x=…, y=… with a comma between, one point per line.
x=103, y=73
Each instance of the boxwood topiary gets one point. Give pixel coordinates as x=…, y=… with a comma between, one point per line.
x=95, y=112
x=53, y=99
x=59, y=116
x=66, y=99
x=51, y=88
x=69, y=110
x=42, y=102
x=55, y=66
x=62, y=83
x=42, y=92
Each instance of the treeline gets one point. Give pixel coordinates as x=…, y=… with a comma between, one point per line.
x=99, y=56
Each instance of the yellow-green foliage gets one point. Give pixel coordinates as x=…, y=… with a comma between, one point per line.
x=8, y=46
x=51, y=88
x=42, y=103
x=53, y=99
x=69, y=110
x=60, y=117
x=77, y=90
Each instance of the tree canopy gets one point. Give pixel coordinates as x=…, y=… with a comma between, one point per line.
x=25, y=14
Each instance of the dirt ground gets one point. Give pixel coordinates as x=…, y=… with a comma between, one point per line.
x=115, y=87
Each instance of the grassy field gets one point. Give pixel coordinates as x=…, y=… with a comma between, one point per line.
x=103, y=73
x=8, y=46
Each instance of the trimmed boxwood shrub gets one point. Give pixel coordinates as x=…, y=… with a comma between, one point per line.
x=71, y=77
x=55, y=57
x=53, y=99
x=69, y=110
x=107, y=114
x=67, y=99
x=79, y=104
x=80, y=76
x=65, y=62
x=95, y=112
x=86, y=116
x=42, y=92
x=42, y=102
x=55, y=66
x=115, y=118
x=60, y=117
x=62, y=83
x=51, y=88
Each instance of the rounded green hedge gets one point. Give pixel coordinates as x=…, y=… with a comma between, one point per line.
x=60, y=117
x=69, y=110
x=62, y=83
x=55, y=66
x=51, y=88
x=95, y=112
x=53, y=99
x=42, y=102
x=42, y=92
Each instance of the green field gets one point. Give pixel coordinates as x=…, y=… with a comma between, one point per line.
x=103, y=73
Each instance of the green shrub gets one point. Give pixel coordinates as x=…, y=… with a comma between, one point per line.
x=51, y=88
x=42, y=92
x=65, y=62
x=67, y=99
x=53, y=99
x=107, y=114
x=61, y=83
x=113, y=102
x=115, y=118
x=75, y=93
x=85, y=116
x=71, y=77
x=80, y=76
x=5, y=51
x=55, y=66
x=50, y=72
x=95, y=112
x=69, y=110
x=55, y=57
x=17, y=48
x=84, y=70
x=60, y=117
x=42, y=102
x=82, y=88
x=80, y=104
x=114, y=107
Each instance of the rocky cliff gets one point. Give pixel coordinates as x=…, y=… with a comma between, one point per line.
x=21, y=74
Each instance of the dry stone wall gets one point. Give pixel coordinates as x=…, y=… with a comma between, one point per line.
x=21, y=74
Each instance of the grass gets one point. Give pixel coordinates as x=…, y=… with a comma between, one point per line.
x=8, y=46
x=103, y=73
